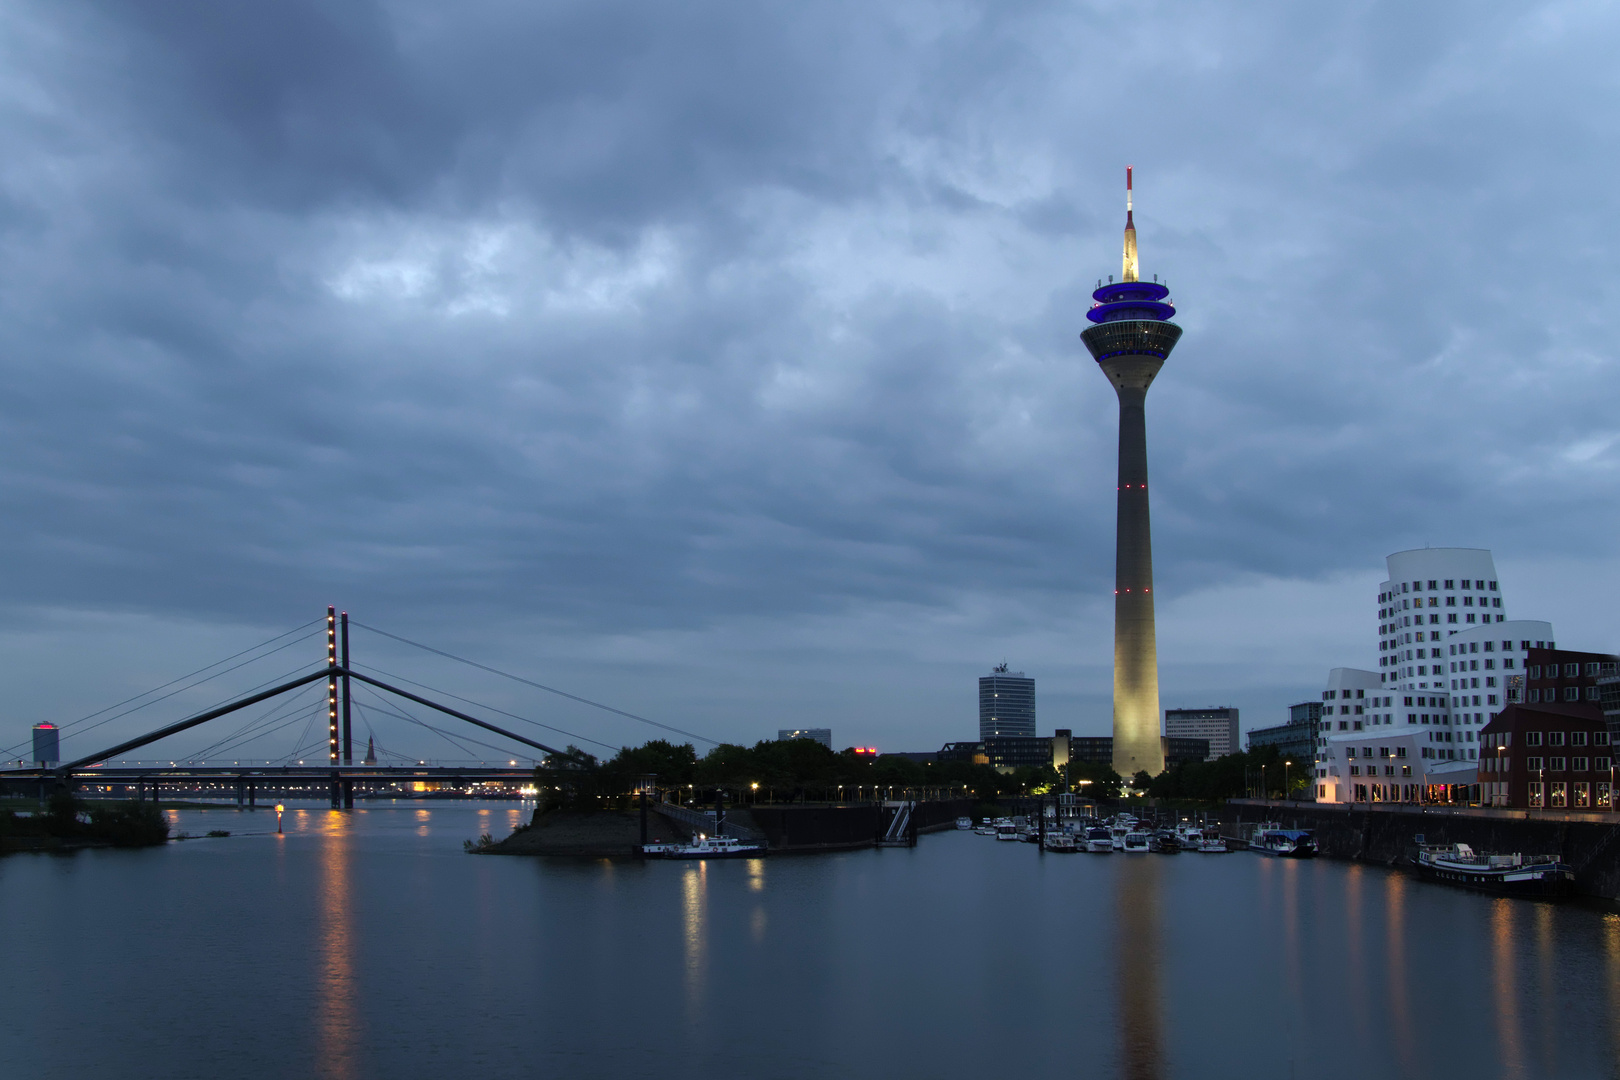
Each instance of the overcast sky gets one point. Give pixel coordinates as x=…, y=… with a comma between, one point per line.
x=721, y=361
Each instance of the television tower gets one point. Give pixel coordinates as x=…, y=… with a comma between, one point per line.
x=1131, y=340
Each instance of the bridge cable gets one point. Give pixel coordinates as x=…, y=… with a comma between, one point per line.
x=193, y=686
x=74, y=723
x=387, y=710
x=536, y=685
x=268, y=722
x=493, y=709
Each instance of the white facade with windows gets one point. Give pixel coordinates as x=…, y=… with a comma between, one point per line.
x=1432, y=593
x=1449, y=660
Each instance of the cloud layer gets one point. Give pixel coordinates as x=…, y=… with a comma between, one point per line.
x=647, y=347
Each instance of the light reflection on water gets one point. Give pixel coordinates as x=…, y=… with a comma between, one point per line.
x=367, y=944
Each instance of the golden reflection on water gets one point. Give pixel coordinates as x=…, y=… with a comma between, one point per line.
x=1290, y=914
x=1355, y=882
x=1509, y=1040
x=1546, y=990
x=336, y=1022
x=1611, y=953
x=694, y=909
x=1136, y=963
x=1399, y=997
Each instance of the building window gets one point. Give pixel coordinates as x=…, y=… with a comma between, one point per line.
x=1572, y=693
x=1535, y=671
x=1535, y=793
x=1560, y=793
x=1577, y=738
x=1571, y=670
x=1601, y=791
x=1582, y=796
x=1535, y=696
x=1468, y=601
x=1555, y=738
x=1532, y=738
x=1577, y=764
x=1406, y=770
x=1591, y=693
x=1556, y=764
x=1452, y=617
x=1534, y=764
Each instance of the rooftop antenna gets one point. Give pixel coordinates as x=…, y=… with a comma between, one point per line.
x=1130, y=232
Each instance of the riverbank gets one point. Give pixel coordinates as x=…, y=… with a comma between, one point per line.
x=1588, y=843
x=788, y=829
x=67, y=824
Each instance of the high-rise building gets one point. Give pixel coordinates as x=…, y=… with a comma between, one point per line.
x=1450, y=659
x=1431, y=594
x=1217, y=724
x=47, y=740
x=1131, y=341
x=1006, y=703
x=821, y=735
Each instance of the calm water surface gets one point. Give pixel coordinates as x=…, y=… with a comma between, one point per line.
x=369, y=945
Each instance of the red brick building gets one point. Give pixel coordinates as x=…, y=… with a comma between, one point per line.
x=1556, y=756
x=1563, y=676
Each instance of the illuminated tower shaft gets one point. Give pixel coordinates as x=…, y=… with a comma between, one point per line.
x=1131, y=341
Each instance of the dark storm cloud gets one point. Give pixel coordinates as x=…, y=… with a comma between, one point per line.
x=623, y=318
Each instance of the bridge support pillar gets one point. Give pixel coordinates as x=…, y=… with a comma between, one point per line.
x=348, y=794
x=252, y=794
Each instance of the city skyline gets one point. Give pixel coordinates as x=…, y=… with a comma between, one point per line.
x=691, y=380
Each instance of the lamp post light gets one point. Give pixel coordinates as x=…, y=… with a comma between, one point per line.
x=755, y=786
x=1264, y=794
x=1285, y=778
x=1499, y=779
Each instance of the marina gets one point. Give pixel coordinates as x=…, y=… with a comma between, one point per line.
x=530, y=959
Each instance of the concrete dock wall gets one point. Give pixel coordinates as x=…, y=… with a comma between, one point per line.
x=1590, y=844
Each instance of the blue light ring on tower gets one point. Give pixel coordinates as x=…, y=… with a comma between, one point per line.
x=1141, y=336
x=1126, y=300
x=1116, y=291
x=1125, y=310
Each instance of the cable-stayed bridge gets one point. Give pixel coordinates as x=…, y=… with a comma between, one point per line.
x=322, y=759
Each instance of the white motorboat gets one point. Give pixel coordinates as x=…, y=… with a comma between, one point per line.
x=964, y=823
x=1061, y=842
x=1099, y=841
x=710, y=847
x=1138, y=840
x=1117, y=833
x=986, y=829
x=1210, y=842
x=1008, y=831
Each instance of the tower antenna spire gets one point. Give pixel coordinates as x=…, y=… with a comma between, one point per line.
x=1130, y=271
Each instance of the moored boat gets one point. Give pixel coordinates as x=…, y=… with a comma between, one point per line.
x=1540, y=876
x=1007, y=831
x=1061, y=843
x=1137, y=841
x=708, y=847
x=1099, y=840
x=1286, y=843
x=1164, y=842
x=964, y=823
x=1210, y=842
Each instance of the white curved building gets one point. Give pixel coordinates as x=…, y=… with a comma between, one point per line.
x=1449, y=659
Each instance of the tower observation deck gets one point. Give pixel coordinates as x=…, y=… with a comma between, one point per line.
x=1131, y=339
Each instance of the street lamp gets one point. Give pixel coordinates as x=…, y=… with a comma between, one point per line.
x=1500, y=781
x=755, y=786
x=1264, y=794
x=1285, y=778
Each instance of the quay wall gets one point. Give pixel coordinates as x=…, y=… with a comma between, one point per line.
x=1589, y=843
x=788, y=828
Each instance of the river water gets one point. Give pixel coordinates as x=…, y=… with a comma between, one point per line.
x=368, y=945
